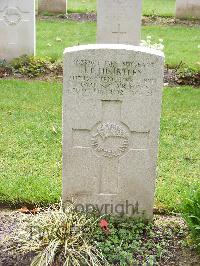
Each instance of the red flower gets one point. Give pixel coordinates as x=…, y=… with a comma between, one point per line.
x=104, y=225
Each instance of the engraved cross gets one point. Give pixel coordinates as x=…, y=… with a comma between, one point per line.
x=110, y=139
x=119, y=33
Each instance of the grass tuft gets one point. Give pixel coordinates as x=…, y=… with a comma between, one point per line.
x=58, y=237
x=191, y=212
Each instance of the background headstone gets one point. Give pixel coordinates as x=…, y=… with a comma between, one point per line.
x=111, y=113
x=119, y=21
x=17, y=28
x=188, y=9
x=52, y=6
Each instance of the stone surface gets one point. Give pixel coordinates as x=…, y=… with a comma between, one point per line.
x=17, y=28
x=119, y=21
x=111, y=113
x=188, y=9
x=52, y=6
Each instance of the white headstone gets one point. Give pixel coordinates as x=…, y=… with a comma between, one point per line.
x=188, y=9
x=17, y=28
x=111, y=114
x=119, y=21
x=52, y=6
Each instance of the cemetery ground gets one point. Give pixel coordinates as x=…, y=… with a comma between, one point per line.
x=30, y=143
x=31, y=129
x=55, y=35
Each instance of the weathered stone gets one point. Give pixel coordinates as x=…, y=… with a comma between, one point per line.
x=188, y=9
x=119, y=21
x=17, y=28
x=52, y=6
x=111, y=113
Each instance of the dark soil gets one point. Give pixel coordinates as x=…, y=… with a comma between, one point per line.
x=169, y=21
x=174, y=77
x=150, y=20
x=178, y=254
x=8, y=257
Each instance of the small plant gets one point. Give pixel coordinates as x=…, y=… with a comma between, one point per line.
x=33, y=66
x=130, y=241
x=187, y=76
x=148, y=43
x=3, y=63
x=5, y=69
x=191, y=213
x=63, y=237
x=58, y=237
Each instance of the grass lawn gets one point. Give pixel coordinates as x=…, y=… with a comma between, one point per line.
x=150, y=7
x=30, y=143
x=165, y=8
x=81, y=6
x=181, y=43
x=179, y=154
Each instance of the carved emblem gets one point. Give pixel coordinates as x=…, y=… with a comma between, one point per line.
x=110, y=140
x=12, y=16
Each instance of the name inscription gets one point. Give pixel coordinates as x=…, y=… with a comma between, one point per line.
x=110, y=78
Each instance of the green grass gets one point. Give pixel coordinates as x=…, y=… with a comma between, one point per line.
x=70, y=33
x=164, y=8
x=81, y=6
x=30, y=148
x=150, y=7
x=30, y=143
x=179, y=156
x=181, y=43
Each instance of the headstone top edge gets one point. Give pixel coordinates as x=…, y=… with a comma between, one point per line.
x=114, y=47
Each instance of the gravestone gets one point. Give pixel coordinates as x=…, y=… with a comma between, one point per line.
x=119, y=21
x=188, y=9
x=111, y=113
x=17, y=28
x=52, y=6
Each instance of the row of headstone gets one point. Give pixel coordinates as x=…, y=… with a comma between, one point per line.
x=184, y=9
x=111, y=116
x=119, y=21
x=17, y=23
